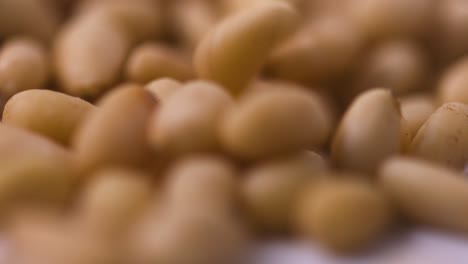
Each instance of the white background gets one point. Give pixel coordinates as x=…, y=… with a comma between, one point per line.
x=417, y=247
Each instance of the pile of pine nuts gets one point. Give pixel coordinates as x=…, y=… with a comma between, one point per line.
x=184, y=131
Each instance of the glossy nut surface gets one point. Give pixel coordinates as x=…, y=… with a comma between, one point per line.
x=233, y=52
x=115, y=132
x=275, y=122
x=452, y=84
x=52, y=114
x=188, y=120
x=416, y=109
x=89, y=53
x=422, y=191
x=369, y=132
x=151, y=61
x=163, y=88
x=444, y=136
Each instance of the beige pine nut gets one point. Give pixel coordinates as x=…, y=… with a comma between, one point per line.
x=416, y=109
x=34, y=170
x=275, y=122
x=89, y=54
x=114, y=134
x=206, y=184
x=27, y=17
x=450, y=30
x=233, y=52
x=344, y=215
x=113, y=201
x=163, y=88
x=270, y=189
x=24, y=65
x=318, y=53
x=383, y=19
x=191, y=20
x=369, y=132
x=452, y=86
x=140, y=19
x=151, y=61
x=427, y=193
x=444, y=136
x=188, y=120
x=52, y=114
x=400, y=66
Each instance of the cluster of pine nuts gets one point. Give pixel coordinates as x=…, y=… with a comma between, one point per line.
x=183, y=131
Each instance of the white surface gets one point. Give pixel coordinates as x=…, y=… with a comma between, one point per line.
x=420, y=246
x=417, y=247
